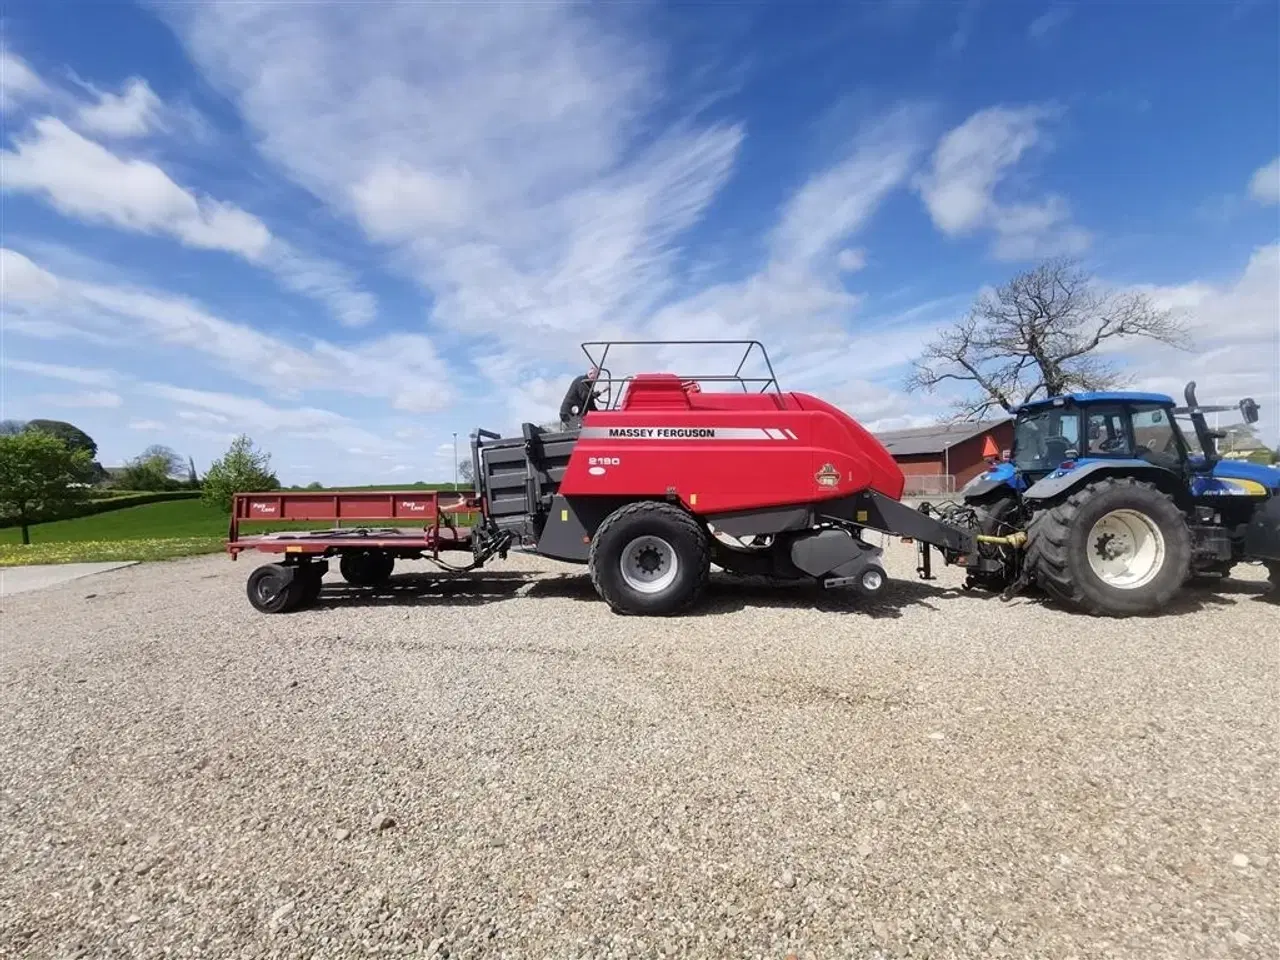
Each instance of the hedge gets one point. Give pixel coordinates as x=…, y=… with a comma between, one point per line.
x=90, y=507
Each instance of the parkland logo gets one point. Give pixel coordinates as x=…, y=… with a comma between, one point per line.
x=262, y=506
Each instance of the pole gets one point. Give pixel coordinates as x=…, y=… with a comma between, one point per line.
x=455, y=460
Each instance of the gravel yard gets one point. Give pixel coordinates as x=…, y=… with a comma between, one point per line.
x=505, y=769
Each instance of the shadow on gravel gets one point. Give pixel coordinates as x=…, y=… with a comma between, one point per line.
x=725, y=594
x=1198, y=595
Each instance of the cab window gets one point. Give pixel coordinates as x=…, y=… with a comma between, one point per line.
x=1106, y=434
x=1155, y=435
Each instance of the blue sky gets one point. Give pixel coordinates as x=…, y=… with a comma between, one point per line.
x=350, y=230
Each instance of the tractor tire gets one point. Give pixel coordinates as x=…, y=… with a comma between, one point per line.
x=274, y=588
x=367, y=568
x=996, y=518
x=1273, y=574
x=650, y=558
x=1071, y=557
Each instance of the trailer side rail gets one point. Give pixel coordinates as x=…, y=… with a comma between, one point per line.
x=423, y=507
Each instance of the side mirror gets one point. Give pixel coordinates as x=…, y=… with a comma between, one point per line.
x=1249, y=410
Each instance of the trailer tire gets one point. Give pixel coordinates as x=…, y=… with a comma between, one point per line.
x=1066, y=544
x=312, y=577
x=649, y=558
x=274, y=588
x=366, y=568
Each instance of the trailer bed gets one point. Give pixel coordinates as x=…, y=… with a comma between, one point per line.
x=436, y=529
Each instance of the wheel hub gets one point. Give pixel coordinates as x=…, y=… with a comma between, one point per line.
x=1126, y=549
x=649, y=564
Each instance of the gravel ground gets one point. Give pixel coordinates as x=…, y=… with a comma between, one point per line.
x=505, y=769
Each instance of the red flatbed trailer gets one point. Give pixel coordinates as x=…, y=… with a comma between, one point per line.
x=644, y=492
x=436, y=530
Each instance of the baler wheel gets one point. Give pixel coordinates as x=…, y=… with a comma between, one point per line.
x=274, y=588
x=1117, y=547
x=649, y=558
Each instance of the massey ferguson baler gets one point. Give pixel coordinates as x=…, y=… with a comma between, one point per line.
x=647, y=492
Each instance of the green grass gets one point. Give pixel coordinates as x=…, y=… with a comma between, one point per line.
x=153, y=531
x=152, y=521
x=95, y=551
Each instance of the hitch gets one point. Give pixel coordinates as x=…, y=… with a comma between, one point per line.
x=1017, y=539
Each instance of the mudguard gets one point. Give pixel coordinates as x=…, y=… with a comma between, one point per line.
x=1061, y=481
x=1262, y=535
x=1001, y=476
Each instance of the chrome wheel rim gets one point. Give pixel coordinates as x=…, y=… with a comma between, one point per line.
x=649, y=564
x=1126, y=549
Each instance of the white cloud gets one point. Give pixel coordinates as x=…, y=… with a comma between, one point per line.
x=19, y=84
x=1264, y=186
x=21, y=281
x=969, y=165
x=146, y=426
x=80, y=178
x=87, y=400
x=510, y=172
x=85, y=376
x=405, y=369
x=1049, y=21
x=132, y=113
x=1236, y=328
x=83, y=179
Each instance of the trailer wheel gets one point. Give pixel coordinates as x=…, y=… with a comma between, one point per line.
x=1117, y=547
x=649, y=558
x=366, y=568
x=274, y=588
x=312, y=577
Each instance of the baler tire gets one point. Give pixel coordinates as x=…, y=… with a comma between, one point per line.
x=1058, y=550
x=689, y=543
x=274, y=588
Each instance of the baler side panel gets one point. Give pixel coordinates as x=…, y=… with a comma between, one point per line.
x=725, y=452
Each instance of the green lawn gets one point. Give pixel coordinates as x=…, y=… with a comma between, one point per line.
x=170, y=518
x=153, y=531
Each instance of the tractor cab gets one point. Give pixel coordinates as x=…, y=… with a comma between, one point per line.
x=1059, y=433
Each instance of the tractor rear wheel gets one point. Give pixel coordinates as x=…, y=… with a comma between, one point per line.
x=1116, y=547
x=649, y=558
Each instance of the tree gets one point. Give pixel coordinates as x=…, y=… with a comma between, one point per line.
x=156, y=468
x=37, y=476
x=241, y=470
x=193, y=478
x=73, y=437
x=1039, y=334
x=9, y=427
x=70, y=434
x=466, y=471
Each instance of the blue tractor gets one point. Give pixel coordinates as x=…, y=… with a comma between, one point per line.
x=1103, y=504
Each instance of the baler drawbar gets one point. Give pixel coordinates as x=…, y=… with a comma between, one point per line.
x=647, y=491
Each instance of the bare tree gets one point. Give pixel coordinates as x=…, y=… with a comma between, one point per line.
x=1039, y=334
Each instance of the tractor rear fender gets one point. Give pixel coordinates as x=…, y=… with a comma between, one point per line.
x=978, y=488
x=1057, y=485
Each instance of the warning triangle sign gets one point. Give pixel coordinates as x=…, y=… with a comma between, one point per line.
x=989, y=448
